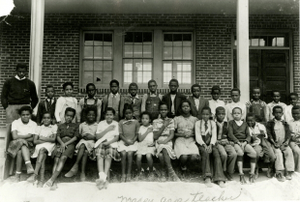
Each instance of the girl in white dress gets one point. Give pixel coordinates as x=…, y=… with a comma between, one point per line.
x=145, y=145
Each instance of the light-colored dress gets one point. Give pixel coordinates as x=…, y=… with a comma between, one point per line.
x=85, y=128
x=143, y=147
x=157, y=124
x=45, y=131
x=183, y=145
x=61, y=105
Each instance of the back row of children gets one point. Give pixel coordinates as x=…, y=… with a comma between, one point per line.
x=198, y=128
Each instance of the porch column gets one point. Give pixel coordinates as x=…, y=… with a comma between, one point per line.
x=243, y=74
x=36, y=42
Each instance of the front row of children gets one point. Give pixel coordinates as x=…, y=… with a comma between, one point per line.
x=209, y=140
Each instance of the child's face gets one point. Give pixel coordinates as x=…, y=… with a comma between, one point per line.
x=68, y=90
x=185, y=107
x=205, y=114
x=294, y=100
x=109, y=116
x=196, y=92
x=21, y=72
x=47, y=119
x=91, y=116
x=128, y=114
x=50, y=93
x=114, y=88
x=173, y=86
x=220, y=115
x=276, y=97
x=152, y=87
x=69, y=116
x=251, y=121
x=256, y=94
x=237, y=114
x=163, y=111
x=133, y=90
x=215, y=94
x=145, y=119
x=25, y=116
x=277, y=114
x=296, y=114
x=235, y=96
x=91, y=91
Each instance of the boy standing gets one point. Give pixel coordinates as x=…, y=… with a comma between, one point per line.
x=18, y=91
x=279, y=136
x=89, y=101
x=293, y=97
x=235, y=96
x=214, y=103
x=134, y=100
x=151, y=100
x=173, y=99
x=276, y=102
x=47, y=105
x=295, y=133
x=257, y=106
x=114, y=100
x=197, y=102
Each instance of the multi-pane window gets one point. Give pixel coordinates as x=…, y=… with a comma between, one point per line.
x=177, y=57
x=137, y=57
x=97, y=60
x=267, y=40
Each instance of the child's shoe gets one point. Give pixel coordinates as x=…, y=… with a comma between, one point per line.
x=128, y=178
x=138, y=176
x=105, y=184
x=172, y=175
x=99, y=184
x=72, y=172
x=16, y=177
x=163, y=176
x=123, y=178
x=48, y=184
x=242, y=179
x=40, y=184
x=151, y=176
x=251, y=178
x=32, y=178
x=288, y=175
x=256, y=173
x=269, y=173
x=280, y=177
x=29, y=168
x=53, y=187
x=228, y=176
x=183, y=172
x=221, y=184
x=207, y=182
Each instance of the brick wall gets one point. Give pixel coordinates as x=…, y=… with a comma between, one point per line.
x=62, y=32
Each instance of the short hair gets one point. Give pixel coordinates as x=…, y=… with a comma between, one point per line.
x=295, y=108
x=195, y=85
x=49, y=86
x=250, y=115
x=215, y=88
x=235, y=89
x=181, y=103
x=47, y=112
x=70, y=109
x=163, y=103
x=25, y=108
x=91, y=109
x=277, y=107
x=114, y=81
x=110, y=109
x=127, y=107
x=22, y=65
x=220, y=108
x=293, y=94
x=152, y=80
x=275, y=91
x=146, y=113
x=88, y=85
x=174, y=80
x=255, y=88
x=206, y=108
x=237, y=108
x=133, y=84
x=68, y=84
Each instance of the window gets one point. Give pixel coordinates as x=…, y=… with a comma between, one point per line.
x=137, y=57
x=267, y=40
x=177, y=57
x=97, y=60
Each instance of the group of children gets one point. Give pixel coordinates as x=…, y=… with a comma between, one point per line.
x=190, y=129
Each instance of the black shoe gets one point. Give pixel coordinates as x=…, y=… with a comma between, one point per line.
x=280, y=177
x=228, y=176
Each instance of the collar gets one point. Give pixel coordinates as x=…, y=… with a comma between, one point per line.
x=17, y=77
x=128, y=121
x=155, y=93
x=276, y=103
x=87, y=97
x=276, y=121
x=215, y=100
x=136, y=96
x=85, y=123
x=116, y=95
x=222, y=123
x=258, y=101
x=196, y=98
x=238, y=122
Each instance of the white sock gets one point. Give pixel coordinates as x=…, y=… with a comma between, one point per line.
x=27, y=162
x=18, y=173
x=102, y=176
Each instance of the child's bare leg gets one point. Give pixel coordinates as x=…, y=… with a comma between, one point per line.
x=83, y=165
x=42, y=171
x=59, y=168
x=139, y=162
x=123, y=163
x=56, y=160
x=150, y=162
x=129, y=164
x=19, y=161
x=171, y=172
x=162, y=167
x=100, y=164
x=74, y=169
x=40, y=159
x=26, y=157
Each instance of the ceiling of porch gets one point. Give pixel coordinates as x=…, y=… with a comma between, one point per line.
x=162, y=6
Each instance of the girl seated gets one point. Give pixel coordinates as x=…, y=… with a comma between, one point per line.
x=67, y=134
x=23, y=130
x=107, y=136
x=128, y=129
x=145, y=145
x=87, y=131
x=163, y=130
x=45, y=144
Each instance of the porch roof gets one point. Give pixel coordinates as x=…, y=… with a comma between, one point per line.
x=162, y=6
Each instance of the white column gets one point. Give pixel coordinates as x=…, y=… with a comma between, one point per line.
x=242, y=24
x=36, y=42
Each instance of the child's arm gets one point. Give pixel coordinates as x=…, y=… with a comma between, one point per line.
x=73, y=139
x=58, y=107
x=198, y=135
x=158, y=133
x=230, y=133
x=102, y=133
x=99, y=106
x=115, y=139
x=248, y=136
x=287, y=135
x=141, y=136
x=39, y=114
x=265, y=109
x=48, y=139
x=144, y=99
x=271, y=140
x=213, y=133
x=79, y=110
x=169, y=138
x=15, y=135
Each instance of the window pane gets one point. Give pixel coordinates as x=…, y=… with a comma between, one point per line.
x=129, y=37
x=107, y=52
x=254, y=42
x=186, y=78
x=87, y=77
x=186, y=37
x=98, y=65
x=187, y=53
x=88, y=39
x=106, y=77
x=177, y=53
x=168, y=37
x=127, y=77
x=167, y=67
x=98, y=52
x=138, y=50
x=168, y=53
x=274, y=41
x=107, y=65
x=179, y=77
x=280, y=41
x=128, y=50
x=262, y=42
x=187, y=66
x=178, y=66
x=98, y=75
x=87, y=65
x=147, y=37
x=88, y=52
x=147, y=65
x=128, y=65
x=107, y=38
x=138, y=37
x=177, y=37
x=138, y=65
x=98, y=39
x=147, y=51
x=187, y=43
x=167, y=77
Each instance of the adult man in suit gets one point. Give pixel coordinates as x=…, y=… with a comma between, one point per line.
x=173, y=99
x=197, y=102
